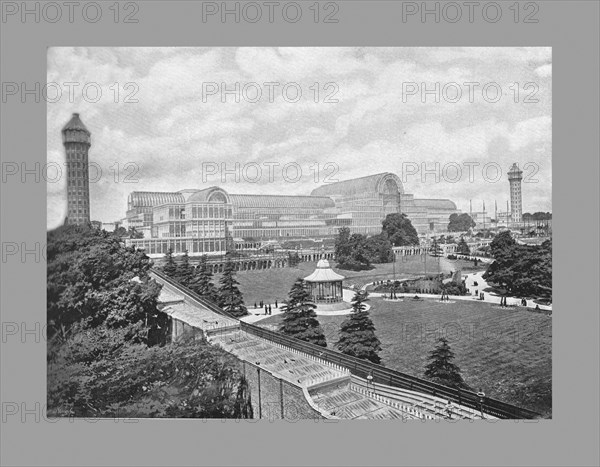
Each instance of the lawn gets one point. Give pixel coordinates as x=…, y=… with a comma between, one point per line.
x=269, y=285
x=507, y=353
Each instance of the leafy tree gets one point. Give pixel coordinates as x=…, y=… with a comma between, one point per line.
x=460, y=222
x=230, y=297
x=351, y=251
x=121, y=231
x=399, y=230
x=357, y=333
x=92, y=279
x=133, y=233
x=537, y=216
x=293, y=259
x=106, y=349
x=343, y=250
x=378, y=249
x=170, y=267
x=299, y=317
x=101, y=374
x=524, y=270
x=502, y=244
x=184, y=272
x=202, y=281
x=462, y=247
x=357, y=251
x=440, y=368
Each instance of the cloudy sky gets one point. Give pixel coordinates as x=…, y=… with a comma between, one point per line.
x=160, y=123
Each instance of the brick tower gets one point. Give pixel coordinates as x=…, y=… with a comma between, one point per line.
x=516, y=208
x=77, y=140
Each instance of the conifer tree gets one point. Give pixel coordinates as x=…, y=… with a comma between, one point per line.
x=441, y=370
x=202, y=281
x=357, y=333
x=230, y=297
x=299, y=317
x=170, y=267
x=184, y=272
x=462, y=247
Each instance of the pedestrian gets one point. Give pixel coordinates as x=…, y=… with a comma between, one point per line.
x=276, y=304
x=255, y=305
x=270, y=310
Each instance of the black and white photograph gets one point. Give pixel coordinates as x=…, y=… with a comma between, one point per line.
x=293, y=233
x=299, y=233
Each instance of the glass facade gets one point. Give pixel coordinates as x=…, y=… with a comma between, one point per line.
x=209, y=220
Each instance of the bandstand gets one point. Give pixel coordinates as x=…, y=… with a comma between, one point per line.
x=324, y=284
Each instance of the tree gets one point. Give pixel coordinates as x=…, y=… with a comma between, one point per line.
x=100, y=374
x=133, y=233
x=201, y=282
x=440, y=368
x=90, y=282
x=378, y=249
x=399, y=230
x=184, y=272
x=357, y=333
x=299, y=317
x=230, y=297
x=524, y=270
x=351, y=251
x=170, y=267
x=502, y=244
x=462, y=248
x=108, y=354
x=343, y=250
x=293, y=259
x=435, y=249
x=460, y=222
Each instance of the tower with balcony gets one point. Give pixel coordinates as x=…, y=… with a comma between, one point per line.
x=515, y=175
x=77, y=141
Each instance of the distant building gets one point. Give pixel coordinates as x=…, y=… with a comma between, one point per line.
x=77, y=141
x=515, y=175
x=211, y=220
x=110, y=226
x=482, y=220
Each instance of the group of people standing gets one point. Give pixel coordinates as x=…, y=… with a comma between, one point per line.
x=267, y=307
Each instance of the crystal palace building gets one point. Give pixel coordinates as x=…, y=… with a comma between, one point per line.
x=213, y=221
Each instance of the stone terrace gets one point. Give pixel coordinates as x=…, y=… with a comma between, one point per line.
x=330, y=386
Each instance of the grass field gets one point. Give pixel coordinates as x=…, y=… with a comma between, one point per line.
x=274, y=284
x=507, y=353
x=270, y=284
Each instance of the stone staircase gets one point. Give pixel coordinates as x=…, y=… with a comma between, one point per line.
x=345, y=403
x=329, y=386
x=292, y=366
x=420, y=405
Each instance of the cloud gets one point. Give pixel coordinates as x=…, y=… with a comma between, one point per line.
x=166, y=136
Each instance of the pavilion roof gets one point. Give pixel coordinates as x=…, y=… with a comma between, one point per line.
x=324, y=273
